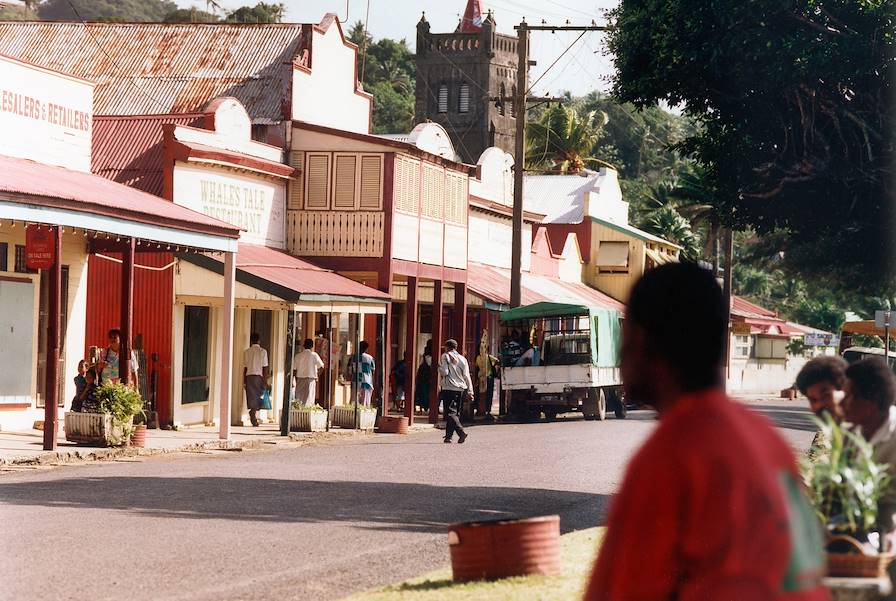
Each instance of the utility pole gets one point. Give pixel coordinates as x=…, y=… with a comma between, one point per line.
x=519, y=159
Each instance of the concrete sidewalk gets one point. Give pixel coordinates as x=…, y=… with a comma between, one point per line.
x=26, y=447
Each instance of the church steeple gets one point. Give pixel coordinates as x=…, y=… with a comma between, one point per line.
x=471, y=22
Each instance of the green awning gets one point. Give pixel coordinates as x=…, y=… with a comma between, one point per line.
x=546, y=309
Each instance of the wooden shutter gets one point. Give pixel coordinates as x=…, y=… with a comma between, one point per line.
x=463, y=98
x=317, y=181
x=371, y=181
x=344, y=179
x=297, y=183
x=443, y=98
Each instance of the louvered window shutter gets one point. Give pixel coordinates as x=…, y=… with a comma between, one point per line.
x=317, y=178
x=297, y=183
x=463, y=98
x=371, y=182
x=344, y=181
x=443, y=98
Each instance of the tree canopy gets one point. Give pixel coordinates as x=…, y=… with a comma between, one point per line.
x=105, y=10
x=793, y=102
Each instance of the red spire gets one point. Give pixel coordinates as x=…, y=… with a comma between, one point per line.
x=472, y=19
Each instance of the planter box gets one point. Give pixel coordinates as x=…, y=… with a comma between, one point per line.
x=344, y=417
x=307, y=421
x=93, y=429
x=393, y=425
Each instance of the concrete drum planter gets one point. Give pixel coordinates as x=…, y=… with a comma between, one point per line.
x=344, y=417
x=491, y=550
x=307, y=420
x=392, y=425
x=94, y=429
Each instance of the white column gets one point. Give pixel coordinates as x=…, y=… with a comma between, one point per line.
x=227, y=345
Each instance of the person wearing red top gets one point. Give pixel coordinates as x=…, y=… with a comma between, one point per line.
x=712, y=506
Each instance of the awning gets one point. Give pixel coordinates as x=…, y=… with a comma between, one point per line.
x=493, y=284
x=287, y=277
x=31, y=191
x=612, y=254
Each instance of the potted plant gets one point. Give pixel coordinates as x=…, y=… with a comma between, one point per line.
x=845, y=484
x=353, y=416
x=307, y=419
x=112, y=424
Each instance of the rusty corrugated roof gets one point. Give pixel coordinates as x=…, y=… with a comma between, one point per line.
x=128, y=150
x=156, y=68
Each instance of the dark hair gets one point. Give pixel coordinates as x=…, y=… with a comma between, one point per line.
x=254, y=337
x=873, y=381
x=114, y=332
x=681, y=308
x=451, y=344
x=363, y=346
x=309, y=343
x=91, y=371
x=822, y=369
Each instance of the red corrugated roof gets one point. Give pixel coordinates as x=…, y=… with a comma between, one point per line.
x=745, y=308
x=151, y=68
x=128, y=150
x=301, y=277
x=46, y=185
x=493, y=284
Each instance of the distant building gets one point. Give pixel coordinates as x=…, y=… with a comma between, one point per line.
x=458, y=76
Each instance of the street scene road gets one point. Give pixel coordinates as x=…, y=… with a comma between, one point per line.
x=326, y=520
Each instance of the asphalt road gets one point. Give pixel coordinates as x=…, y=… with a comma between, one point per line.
x=315, y=522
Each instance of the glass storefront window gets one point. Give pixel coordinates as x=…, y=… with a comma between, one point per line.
x=194, y=387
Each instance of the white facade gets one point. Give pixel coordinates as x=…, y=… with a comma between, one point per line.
x=570, y=198
x=45, y=116
x=326, y=92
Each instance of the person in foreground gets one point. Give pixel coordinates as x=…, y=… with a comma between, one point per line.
x=821, y=380
x=712, y=507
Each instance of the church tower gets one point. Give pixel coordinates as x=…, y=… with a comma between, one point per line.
x=458, y=76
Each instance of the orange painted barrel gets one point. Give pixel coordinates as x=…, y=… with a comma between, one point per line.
x=138, y=437
x=393, y=425
x=495, y=549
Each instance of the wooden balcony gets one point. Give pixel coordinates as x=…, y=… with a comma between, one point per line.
x=335, y=233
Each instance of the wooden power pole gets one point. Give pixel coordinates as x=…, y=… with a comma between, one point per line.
x=520, y=104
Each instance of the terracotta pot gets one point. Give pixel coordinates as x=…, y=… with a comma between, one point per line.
x=138, y=437
x=496, y=549
x=788, y=393
x=392, y=425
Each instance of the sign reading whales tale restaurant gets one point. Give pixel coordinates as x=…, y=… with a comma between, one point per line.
x=226, y=175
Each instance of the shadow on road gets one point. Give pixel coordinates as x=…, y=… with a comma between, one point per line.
x=369, y=505
x=788, y=416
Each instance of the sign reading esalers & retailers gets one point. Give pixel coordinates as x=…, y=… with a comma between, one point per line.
x=36, y=104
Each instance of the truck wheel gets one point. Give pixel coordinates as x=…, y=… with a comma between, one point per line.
x=617, y=401
x=601, y=406
x=595, y=407
x=533, y=414
x=550, y=414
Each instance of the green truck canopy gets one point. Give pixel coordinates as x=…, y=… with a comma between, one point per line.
x=546, y=309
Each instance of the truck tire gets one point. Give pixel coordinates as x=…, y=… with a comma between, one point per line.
x=595, y=407
x=550, y=414
x=617, y=402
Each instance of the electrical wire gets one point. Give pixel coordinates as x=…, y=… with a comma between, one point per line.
x=457, y=135
x=534, y=83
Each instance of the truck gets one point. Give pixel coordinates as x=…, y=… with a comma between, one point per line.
x=570, y=363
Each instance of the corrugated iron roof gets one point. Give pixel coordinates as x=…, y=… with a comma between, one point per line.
x=84, y=192
x=154, y=68
x=744, y=308
x=128, y=150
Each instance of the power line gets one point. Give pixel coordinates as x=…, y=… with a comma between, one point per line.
x=448, y=120
x=534, y=83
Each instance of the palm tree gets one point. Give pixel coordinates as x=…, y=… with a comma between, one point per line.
x=695, y=196
x=667, y=223
x=563, y=138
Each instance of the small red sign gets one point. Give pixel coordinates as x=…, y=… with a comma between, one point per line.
x=40, y=247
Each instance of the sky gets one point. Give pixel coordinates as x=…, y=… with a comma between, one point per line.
x=585, y=67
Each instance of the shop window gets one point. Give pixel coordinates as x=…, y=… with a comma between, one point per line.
x=261, y=323
x=771, y=348
x=443, y=98
x=613, y=257
x=317, y=181
x=194, y=381
x=21, y=266
x=463, y=98
x=742, y=346
x=4, y=256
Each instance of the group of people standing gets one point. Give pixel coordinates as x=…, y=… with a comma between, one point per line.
x=105, y=367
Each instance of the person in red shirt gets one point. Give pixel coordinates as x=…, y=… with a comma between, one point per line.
x=712, y=506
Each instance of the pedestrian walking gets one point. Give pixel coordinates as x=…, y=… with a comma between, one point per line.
x=255, y=375
x=423, y=382
x=457, y=387
x=365, y=366
x=712, y=506
x=821, y=380
x=306, y=366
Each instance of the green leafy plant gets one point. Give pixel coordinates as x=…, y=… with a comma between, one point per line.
x=122, y=402
x=845, y=482
x=298, y=406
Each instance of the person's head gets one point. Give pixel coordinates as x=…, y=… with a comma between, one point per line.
x=870, y=390
x=674, y=334
x=82, y=367
x=821, y=381
x=254, y=338
x=114, y=337
x=90, y=375
x=309, y=344
x=363, y=346
x=451, y=345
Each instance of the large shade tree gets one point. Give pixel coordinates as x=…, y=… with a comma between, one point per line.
x=794, y=99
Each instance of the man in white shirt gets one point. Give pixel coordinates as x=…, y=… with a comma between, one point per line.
x=456, y=387
x=255, y=375
x=305, y=367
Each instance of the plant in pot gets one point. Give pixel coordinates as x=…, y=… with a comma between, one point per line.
x=121, y=402
x=845, y=486
x=354, y=416
x=307, y=418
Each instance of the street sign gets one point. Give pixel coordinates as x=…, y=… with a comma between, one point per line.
x=40, y=247
x=885, y=319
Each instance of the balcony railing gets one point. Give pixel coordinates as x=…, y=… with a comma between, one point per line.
x=335, y=233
